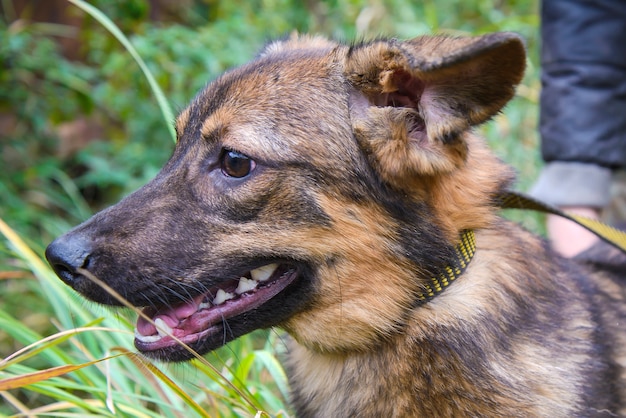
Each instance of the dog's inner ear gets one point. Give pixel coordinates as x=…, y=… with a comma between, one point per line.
x=412, y=102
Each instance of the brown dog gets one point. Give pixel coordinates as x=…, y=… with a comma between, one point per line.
x=336, y=191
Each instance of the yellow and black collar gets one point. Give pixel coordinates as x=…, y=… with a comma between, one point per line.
x=465, y=250
x=512, y=200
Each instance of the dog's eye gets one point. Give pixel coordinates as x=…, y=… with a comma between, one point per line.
x=235, y=164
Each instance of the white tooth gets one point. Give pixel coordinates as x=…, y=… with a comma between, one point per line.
x=263, y=273
x=162, y=328
x=147, y=338
x=221, y=296
x=204, y=305
x=245, y=285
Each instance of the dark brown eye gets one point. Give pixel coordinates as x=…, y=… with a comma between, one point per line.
x=235, y=164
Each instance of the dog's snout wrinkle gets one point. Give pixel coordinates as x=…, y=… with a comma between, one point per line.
x=66, y=254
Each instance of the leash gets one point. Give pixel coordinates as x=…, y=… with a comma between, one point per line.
x=466, y=247
x=517, y=200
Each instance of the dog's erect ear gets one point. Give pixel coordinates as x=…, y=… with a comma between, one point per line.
x=412, y=101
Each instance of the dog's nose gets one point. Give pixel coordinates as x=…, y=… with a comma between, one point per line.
x=66, y=254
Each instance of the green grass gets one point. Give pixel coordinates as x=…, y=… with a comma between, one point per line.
x=63, y=356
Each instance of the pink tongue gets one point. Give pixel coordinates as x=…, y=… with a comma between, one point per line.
x=170, y=315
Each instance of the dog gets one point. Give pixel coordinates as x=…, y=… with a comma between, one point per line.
x=337, y=191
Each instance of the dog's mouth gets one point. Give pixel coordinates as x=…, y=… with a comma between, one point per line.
x=205, y=321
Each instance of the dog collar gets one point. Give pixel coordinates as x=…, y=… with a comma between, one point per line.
x=465, y=250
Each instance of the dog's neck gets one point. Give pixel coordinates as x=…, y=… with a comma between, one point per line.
x=465, y=250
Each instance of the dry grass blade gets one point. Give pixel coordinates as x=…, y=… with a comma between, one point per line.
x=143, y=365
x=37, y=266
x=246, y=397
x=36, y=377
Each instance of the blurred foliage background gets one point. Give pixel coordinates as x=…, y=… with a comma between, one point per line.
x=80, y=127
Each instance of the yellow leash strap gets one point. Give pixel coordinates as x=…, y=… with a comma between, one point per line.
x=517, y=200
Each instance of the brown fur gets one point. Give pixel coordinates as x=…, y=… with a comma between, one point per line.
x=362, y=173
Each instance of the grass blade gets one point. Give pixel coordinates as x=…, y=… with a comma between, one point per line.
x=108, y=24
x=171, y=384
x=38, y=376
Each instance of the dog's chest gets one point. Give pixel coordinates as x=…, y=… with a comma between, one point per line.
x=327, y=385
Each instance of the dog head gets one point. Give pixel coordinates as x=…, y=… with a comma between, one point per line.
x=316, y=188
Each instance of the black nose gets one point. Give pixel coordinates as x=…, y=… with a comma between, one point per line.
x=66, y=254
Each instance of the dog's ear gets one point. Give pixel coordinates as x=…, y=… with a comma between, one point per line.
x=411, y=102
